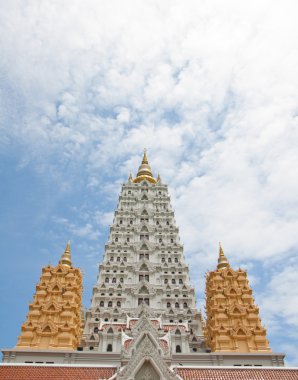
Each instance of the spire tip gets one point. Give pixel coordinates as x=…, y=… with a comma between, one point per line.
x=144, y=171
x=66, y=258
x=222, y=260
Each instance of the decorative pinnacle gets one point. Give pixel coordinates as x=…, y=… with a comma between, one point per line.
x=66, y=258
x=145, y=159
x=144, y=171
x=222, y=260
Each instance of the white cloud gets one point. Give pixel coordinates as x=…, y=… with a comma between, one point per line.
x=280, y=299
x=104, y=218
x=79, y=230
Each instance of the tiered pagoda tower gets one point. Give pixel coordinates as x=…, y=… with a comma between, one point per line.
x=54, y=317
x=233, y=322
x=143, y=322
x=143, y=273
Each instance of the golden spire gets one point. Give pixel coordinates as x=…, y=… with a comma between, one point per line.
x=144, y=171
x=145, y=168
x=145, y=159
x=65, y=258
x=222, y=260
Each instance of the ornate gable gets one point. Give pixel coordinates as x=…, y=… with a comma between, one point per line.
x=146, y=355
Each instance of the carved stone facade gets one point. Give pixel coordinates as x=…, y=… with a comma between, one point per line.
x=233, y=322
x=147, y=354
x=143, y=267
x=54, y=317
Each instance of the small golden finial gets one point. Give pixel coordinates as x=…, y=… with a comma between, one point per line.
x=221, y=252
x=222, y=260
x=66, y=258
x=158, y=178
x=130, y=177
x=145, y=159
x=144, y=172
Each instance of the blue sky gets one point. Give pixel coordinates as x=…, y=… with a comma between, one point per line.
x=209, y=87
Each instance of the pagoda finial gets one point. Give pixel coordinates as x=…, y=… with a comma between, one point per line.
x=144, y=171
x=222, y=260
x=66, y=258
x=145, y=159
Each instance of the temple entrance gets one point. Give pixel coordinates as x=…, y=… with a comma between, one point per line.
x=147, y=372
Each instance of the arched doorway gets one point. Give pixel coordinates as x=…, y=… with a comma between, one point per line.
x=147, y=372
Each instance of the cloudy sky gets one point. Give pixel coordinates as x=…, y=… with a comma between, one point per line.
x=209, y=87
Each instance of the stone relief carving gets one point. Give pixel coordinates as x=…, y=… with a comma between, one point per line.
x=147, y=353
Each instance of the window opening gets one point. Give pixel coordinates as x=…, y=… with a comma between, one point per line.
x=109, y=348
x=178, y=348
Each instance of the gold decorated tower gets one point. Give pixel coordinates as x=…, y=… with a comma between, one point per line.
x=54, y=317
x=233, y=322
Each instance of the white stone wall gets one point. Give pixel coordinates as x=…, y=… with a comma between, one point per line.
x=143, y=263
